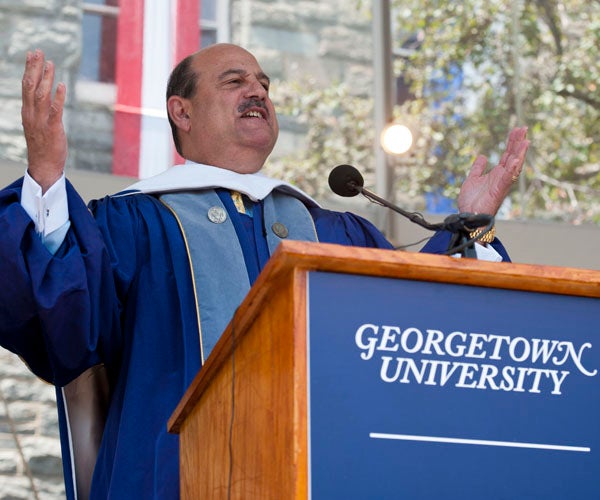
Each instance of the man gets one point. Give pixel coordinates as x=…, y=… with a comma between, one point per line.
x=145, y=285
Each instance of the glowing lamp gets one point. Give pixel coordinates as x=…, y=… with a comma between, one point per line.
x=396, y=139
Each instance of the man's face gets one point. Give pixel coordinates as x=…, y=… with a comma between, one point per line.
x=232, y=117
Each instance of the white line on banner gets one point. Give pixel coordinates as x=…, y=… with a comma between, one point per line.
x=478, y=442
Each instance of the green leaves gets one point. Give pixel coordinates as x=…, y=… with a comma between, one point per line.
x=526, y=62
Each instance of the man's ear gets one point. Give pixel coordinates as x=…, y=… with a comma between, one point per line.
x=177, y=107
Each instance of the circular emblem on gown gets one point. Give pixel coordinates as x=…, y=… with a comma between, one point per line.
x=217, y=215
x=280, y=230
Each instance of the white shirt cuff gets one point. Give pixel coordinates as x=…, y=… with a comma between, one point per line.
x=486, y=252
x=49, y=211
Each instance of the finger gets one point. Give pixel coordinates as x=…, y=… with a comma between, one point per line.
x=43, y=93
x=519, y=159
x=518, y=133
x=515, y=139
x=516, y=162
x=478, y=166
x=512, y=172
x=32, y=75
x=58, y=104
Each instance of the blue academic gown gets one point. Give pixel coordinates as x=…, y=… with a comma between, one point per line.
x=119, y=293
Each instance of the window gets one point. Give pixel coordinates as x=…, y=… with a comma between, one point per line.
x=99, y=26
x=214, y=22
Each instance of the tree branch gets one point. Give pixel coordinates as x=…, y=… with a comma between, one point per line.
x=548, y=8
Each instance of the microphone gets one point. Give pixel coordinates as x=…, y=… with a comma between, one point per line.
x=347, y=181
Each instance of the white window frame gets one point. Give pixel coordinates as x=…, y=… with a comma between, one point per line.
x=92, y=91
x=221, y=25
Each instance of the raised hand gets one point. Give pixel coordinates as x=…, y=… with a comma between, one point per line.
x=41, y=115
x=484, y=193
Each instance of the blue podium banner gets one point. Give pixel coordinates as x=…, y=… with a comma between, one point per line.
x=421, y=390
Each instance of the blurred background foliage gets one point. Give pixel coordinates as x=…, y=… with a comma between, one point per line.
x=467, y=73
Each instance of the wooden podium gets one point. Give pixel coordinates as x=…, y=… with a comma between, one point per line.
x=246, y=422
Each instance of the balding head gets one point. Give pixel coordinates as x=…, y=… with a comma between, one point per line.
x=219, y=109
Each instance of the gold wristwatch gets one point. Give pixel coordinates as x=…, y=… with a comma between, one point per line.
x=486, y=238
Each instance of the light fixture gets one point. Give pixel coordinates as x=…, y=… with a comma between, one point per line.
x=396, y=139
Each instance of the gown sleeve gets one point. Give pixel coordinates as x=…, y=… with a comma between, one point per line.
x=440, y=241
x=58, y=312
x=350, y=229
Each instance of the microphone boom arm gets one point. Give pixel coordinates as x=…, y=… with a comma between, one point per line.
x=412, y=216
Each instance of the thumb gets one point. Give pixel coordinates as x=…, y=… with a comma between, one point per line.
x=478, y=166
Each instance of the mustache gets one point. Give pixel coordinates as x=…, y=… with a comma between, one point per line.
x=251, y=103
